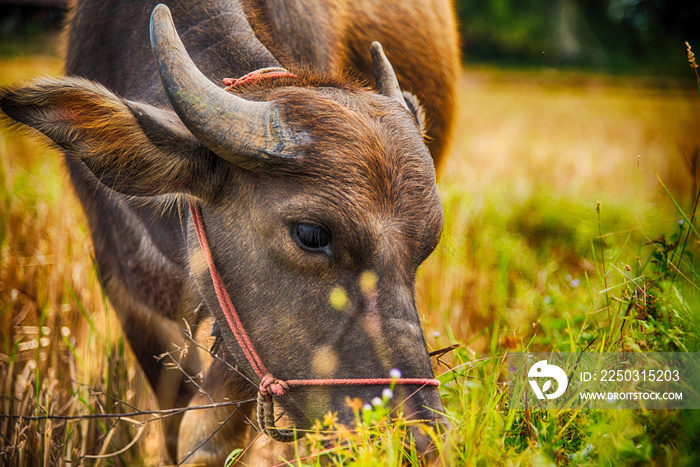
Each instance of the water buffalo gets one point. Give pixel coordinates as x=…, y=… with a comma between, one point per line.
x=317, y=194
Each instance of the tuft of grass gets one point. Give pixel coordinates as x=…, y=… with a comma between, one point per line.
x=693, y=63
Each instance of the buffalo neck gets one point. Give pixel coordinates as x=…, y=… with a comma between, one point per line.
x=108, y=42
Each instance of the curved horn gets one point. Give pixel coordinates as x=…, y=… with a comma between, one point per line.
x=248, y=133
x=384, y=75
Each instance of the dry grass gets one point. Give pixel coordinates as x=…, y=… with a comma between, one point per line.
x=62, y=352
x=522, y=141
x=577, y=135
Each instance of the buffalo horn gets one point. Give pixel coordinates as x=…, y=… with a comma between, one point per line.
x=384, y=75
x=247, y=133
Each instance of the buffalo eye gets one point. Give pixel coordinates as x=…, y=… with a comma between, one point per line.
x=311, y=237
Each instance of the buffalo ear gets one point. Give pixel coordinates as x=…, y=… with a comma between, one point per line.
x=388, y=85
x=416, y=109
x=133, y=148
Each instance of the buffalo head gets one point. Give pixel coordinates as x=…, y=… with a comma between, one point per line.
x=318, y=197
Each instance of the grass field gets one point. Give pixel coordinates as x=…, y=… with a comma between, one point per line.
x=557, y=192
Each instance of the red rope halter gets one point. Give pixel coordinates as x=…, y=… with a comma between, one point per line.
x=269, y=385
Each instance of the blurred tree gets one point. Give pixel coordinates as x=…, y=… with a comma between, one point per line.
x=617, y=35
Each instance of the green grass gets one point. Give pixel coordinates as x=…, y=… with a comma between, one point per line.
x=645, y=299
x=527, y=262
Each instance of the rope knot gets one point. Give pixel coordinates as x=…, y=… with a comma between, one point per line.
x=269, y=386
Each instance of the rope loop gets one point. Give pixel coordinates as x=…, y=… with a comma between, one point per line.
x=266, y=420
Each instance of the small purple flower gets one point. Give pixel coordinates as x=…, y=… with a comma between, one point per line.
x=575, y=283
x=387, y=394
x=395, y=373
x=377, y=402
x=366, y=407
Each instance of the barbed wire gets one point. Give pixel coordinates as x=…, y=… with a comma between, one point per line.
x=163, y=412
